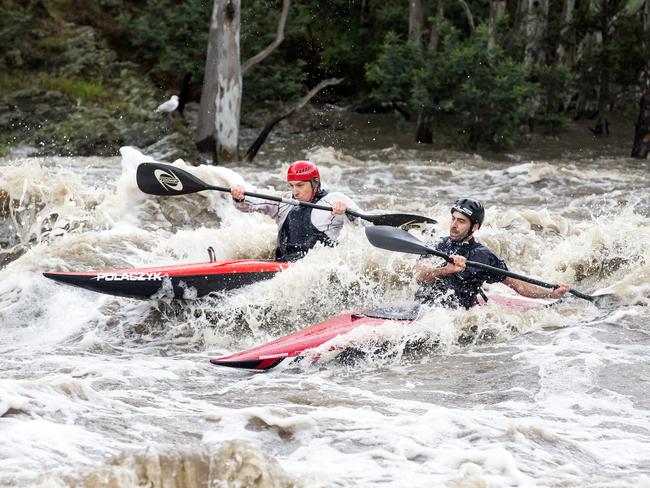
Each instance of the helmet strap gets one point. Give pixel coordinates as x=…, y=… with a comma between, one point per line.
x=315, y=186
x=470, y=232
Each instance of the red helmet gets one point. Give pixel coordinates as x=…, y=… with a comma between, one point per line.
x=302, y=171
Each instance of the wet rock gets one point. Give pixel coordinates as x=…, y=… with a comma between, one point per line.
x=172, y=147
x=26, y=111
x=82, y=101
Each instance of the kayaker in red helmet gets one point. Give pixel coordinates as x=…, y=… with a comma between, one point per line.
x=300, y=228
x=453, y=284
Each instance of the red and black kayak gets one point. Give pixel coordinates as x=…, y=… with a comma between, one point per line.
x=295, y=345
x=181, y=281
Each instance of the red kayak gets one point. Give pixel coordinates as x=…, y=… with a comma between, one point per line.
x=294, y=345
x=181, y=281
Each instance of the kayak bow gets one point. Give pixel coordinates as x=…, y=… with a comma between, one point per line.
x=181, y=281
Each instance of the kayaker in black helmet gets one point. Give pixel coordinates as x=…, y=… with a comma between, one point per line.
x=300, y=228
x=455, y=285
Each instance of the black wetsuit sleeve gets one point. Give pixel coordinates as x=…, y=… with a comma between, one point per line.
x=491, y=276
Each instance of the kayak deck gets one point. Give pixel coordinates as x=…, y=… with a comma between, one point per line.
x=181, y=281
x=269, y=355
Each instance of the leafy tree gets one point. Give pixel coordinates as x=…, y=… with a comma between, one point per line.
x=394, y=71
x=170, y=36
x=554, y=83
x=483, y=90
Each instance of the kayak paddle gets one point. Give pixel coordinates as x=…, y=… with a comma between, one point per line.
x=167, y=180
x=399, y=240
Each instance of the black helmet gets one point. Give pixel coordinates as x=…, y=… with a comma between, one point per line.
x=471, y=208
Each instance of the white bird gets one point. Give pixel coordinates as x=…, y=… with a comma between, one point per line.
x=169, y=106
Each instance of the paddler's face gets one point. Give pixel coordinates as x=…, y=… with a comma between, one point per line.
x=301, y=190
x=459, y=226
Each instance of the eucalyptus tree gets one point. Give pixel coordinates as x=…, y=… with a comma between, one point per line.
x=221, y=96
x=565, y=52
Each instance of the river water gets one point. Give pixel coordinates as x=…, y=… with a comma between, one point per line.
x=103, y=391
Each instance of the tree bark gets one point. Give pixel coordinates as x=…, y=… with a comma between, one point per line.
x=497, y=10
x=185, y=92
x=279, y=37
x=646, y=31
x=566, y=47
x=607, y=13
x=416, y=21
x=251, y=152
x=424, y=128
x=536, y=22
x=520, y=15
x=218, y=126
x=434, y=38
x=587, y=94
x=641, y=145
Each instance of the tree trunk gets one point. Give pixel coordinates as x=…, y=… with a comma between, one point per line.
x=646, y=31
x=416, y=21
x=536, y=22
x=185, y=92
x=587, y=93
x=497, y=10
x=607, y=11
x=641, y=146
x=424, y=129
x=434, y=38
x=218, y=126
x=566, y=46
x=520, y=15
x=365, y=13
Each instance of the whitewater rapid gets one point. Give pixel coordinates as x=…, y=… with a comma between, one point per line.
x=106, y=391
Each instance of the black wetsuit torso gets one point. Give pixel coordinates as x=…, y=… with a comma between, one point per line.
x=298, y=235
x=461, y=289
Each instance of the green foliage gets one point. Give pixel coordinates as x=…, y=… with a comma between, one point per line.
x=486, y=94
x=282, y=75
x=393, y=73
x=85, y=91
x=15, y=21
x=485, y=91
x=171, y=36
x=554, y=82
x=15, y=25
x=273, y=83
x=77, y=90
x=620, y=56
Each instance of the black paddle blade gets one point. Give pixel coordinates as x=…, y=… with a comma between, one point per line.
x=606, y=300
x=398, y=220
x=394, y=239
x=167, y=180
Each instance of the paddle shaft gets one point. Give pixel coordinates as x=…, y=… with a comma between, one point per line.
x=399, y=240
x=167, y=180
x=504, y=272
x=289, y=201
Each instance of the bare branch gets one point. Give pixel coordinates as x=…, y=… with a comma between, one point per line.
x=257, y=144
x=315, y=90
x=276, y=42
x=468, y=14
